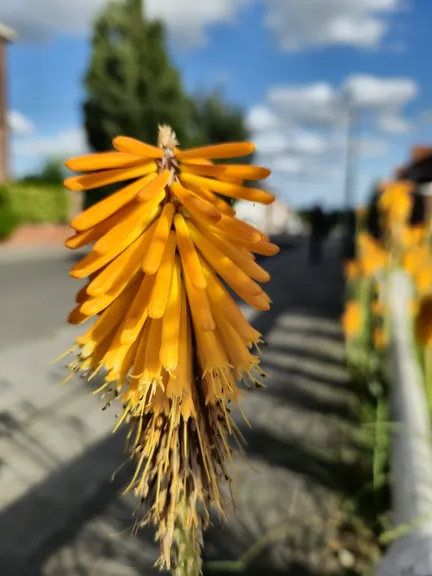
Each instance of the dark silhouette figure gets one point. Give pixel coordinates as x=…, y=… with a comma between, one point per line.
x=373, y=216
x=350, y=235
x=318, y=223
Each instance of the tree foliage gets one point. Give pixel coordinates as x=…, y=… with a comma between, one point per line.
x=131, y=84
x=217, y=121
x=132, y=87
x=52, y=172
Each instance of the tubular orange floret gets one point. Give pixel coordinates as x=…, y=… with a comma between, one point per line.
x=101, y=161
x=110, y=205
x=244, y=172
x=217, y=151
x=152, y=189
x=195, y=205
x=105, y=177
x=154, y=255
x=229, y=189
x=133, y=146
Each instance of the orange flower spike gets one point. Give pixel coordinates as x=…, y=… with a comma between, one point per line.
x=168, y=337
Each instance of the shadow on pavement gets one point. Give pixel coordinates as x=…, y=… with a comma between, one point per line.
x=40, y=536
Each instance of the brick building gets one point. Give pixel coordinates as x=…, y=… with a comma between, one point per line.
x=6, y=36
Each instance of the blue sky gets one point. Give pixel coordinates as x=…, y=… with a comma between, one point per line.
x=289, y=64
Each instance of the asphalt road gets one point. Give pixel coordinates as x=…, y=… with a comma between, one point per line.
x=35, y=298
x=37, y=295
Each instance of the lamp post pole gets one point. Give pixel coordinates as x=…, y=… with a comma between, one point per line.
x=351, y=158
x=6, y=36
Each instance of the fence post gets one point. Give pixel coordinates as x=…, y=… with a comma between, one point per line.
x=411, y=457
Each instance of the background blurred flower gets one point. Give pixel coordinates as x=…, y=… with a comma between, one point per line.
x=352, y=319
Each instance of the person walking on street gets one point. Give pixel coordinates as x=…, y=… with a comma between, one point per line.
x=318, y=223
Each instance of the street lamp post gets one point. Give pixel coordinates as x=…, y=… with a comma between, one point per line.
x=351, y=157
x=6, y=36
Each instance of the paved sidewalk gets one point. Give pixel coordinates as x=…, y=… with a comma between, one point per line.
x=62, y=514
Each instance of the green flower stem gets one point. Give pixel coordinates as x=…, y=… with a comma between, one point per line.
x=188, y=546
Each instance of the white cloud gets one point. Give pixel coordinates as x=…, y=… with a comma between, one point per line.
x=300, y=131
x=296, y=141
x=394, y=125
x=308, y=143
x=66, y=143
x=301, y=23
x=426, y=116
x=324, y=105
x=19, y=124
x=287, y=165
x=271, y=142
x=314, y=102
x=186, y=21
x=295, y=23
x=375, y=92
x=260, y=119
x=372, y=147
x=38, y=21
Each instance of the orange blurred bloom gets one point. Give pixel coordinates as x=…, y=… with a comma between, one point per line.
x=378, y=307
x=423, y=278
x=395, y=202
x=372, y=256
x=352, y=269
x=352, y=319
x=379, y=338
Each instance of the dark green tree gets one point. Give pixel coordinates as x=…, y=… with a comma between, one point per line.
x=131, y=84
x=132, y=87
x=216, y=121
x=52, y=172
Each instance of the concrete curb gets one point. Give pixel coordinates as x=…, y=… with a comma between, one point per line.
x=411, y=459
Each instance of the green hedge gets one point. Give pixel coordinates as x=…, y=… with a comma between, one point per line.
x=8, y=219
x=36, y=202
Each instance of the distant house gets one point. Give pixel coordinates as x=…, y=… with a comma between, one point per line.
x=419, y=171
x=277, y=218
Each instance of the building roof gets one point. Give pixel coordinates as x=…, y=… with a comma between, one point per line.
x=420, y=168
x=7, y=33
